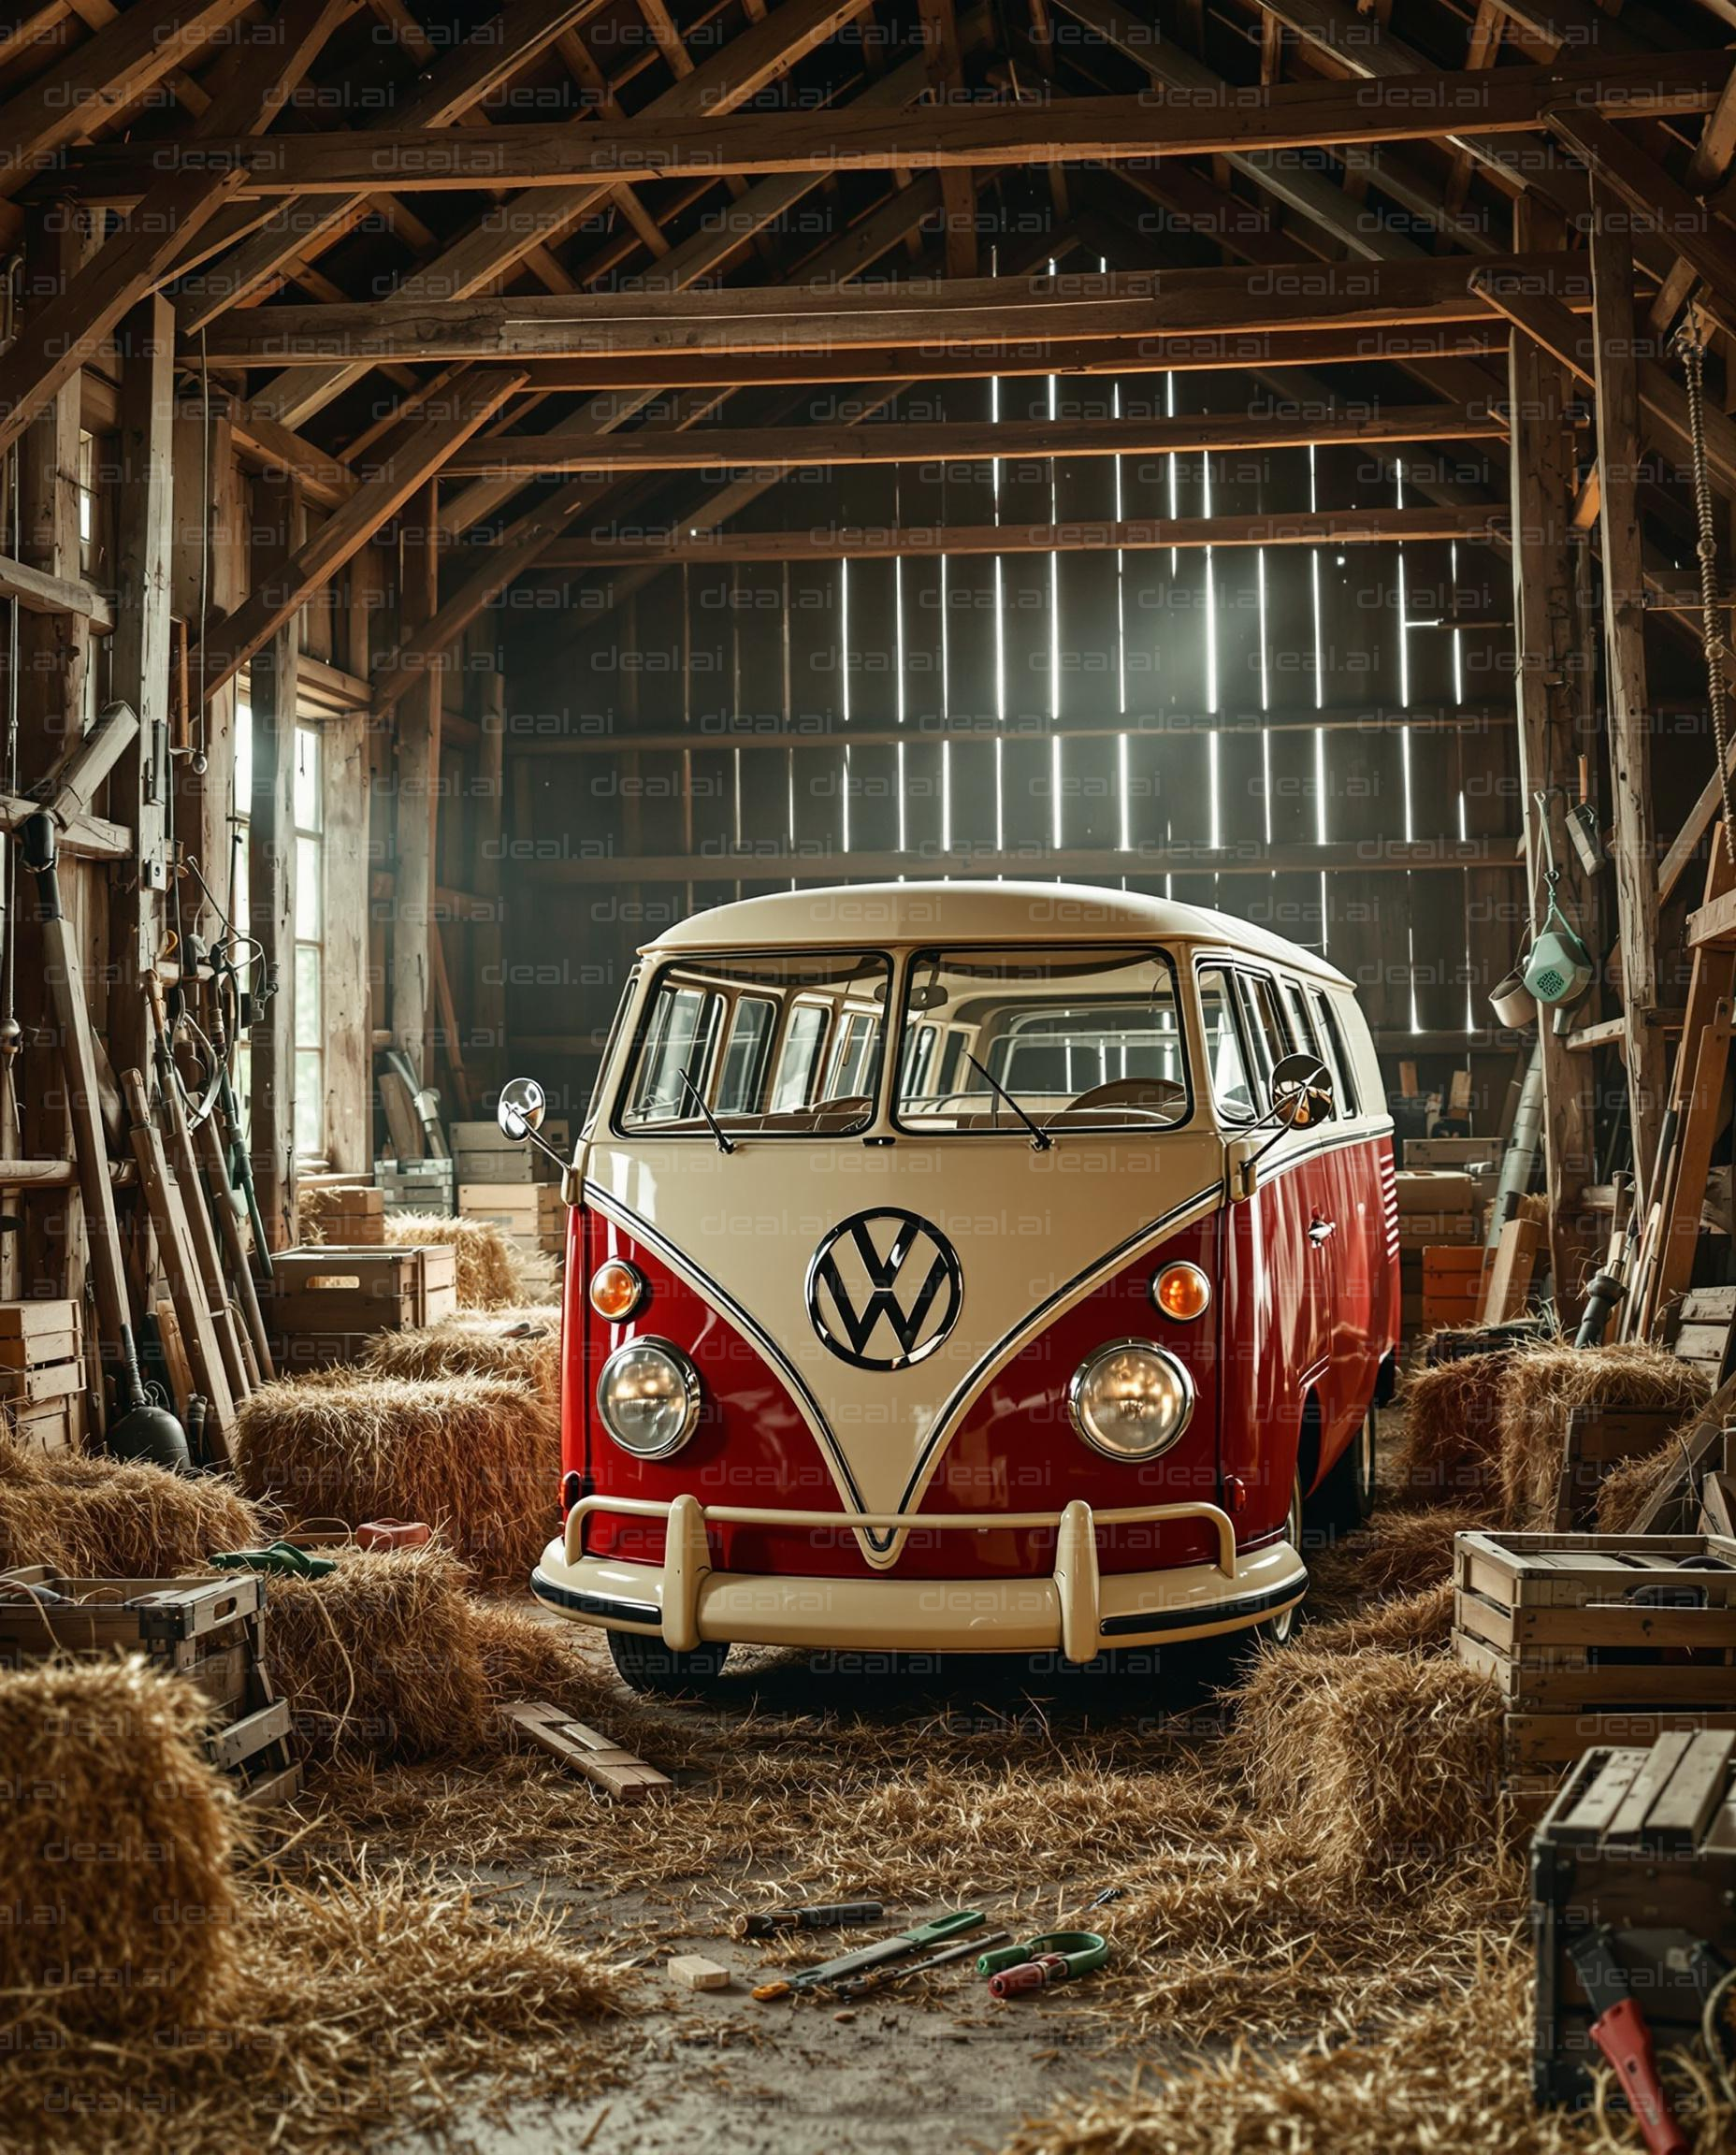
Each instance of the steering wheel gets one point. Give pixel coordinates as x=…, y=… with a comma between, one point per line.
x=1162, y=1094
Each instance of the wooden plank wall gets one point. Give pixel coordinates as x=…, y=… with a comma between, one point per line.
x=972, y=643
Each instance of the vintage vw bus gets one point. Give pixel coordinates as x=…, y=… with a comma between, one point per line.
x=967, y=1266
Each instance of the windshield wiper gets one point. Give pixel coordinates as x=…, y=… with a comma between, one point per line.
x=1040, y=1139
x=711, y=1124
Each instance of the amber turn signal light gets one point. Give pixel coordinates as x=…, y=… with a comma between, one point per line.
x=617, y=1289
x=1181, y=1292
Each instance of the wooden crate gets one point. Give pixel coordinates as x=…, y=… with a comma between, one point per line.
x=1703, y=1331
x=1642, y=1839
x=210, y=1631
x=42, y=1373
x=351, y=1217
x=1590, y=1639
x=1452, y=1289
x=1597, y=1439
x=328, y=1289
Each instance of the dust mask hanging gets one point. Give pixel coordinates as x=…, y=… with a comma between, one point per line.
x=1558, y=967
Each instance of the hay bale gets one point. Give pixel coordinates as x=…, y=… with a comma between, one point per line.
x=388, y=1660
x=489, y=1273
x=112, y=1518
x=1540, y=1386
x=1420, y=1623
x=1386, y=1766
x=522, y=1344
x=378, y=1659
x=475, y=1456
x=134, y=1930
x=1451, y=1452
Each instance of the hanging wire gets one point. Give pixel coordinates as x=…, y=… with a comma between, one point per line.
x=1691, y=346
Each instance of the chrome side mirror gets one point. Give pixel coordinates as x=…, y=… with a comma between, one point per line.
x=521, y=1109
x=1301, y=1093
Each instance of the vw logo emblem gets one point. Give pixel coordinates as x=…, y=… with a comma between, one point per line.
x=883, y=1290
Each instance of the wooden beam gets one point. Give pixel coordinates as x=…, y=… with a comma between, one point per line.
x=795, y=449
x=985, y=315
x=1297, y=527
x=1250, y=350
x=235, y=639
x=1718, y=143
x=1548, y=661
x=1099, y=130
x=786, y=740
x=512, y=229
x=416, y=803
x=1634, y=849
x=724, y=864
x=271, y=887
x=98, y=77
x=1622, y=167
x=38, y=592
x=455, y=84
x=1707, y=807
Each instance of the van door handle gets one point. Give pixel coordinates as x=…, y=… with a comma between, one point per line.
x=1322, y=1231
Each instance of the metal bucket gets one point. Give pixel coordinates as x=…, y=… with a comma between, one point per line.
x=1512, y=1002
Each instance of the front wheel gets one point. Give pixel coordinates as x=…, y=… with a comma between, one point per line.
x=647, y=1665
x=1345, y=1499
x=1279, y=1629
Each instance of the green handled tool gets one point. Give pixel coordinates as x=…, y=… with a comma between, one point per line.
x=894, y=1948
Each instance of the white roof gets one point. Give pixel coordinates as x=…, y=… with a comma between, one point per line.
x=882, y=915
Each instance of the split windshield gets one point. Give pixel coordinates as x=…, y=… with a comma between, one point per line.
x=763, y=1045
x=772, y=1046
x=1074, y=1039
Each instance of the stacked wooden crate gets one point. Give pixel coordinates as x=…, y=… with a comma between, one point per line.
x=42, y=1376
x=326, y=1301
x=515, y=1186
x=210, y=1631
x=350, y=1213
x=1595, y=1639
x=1440, y=1246
x=417, y=1185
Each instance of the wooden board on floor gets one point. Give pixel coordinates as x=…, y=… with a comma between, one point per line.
x=599, y=1758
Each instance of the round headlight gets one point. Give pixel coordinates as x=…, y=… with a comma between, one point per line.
x=648, y=1397
x=1181, y=1292
x=617, y=1289
x=1131, y=1400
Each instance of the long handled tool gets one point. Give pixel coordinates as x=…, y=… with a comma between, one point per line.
x=893, y=1948
x=141, y=1431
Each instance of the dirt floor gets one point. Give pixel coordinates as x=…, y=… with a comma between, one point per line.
x=913, y=2065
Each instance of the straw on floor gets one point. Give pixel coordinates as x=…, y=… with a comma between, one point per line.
x=478, y=1458
x=117, y=1902
x=92, y=1517
x=1540, y=1386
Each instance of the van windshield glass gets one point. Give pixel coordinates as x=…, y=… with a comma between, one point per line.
x=772, y=1045
x=1081, y=1039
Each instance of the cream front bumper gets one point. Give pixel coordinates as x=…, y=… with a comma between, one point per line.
x=1077, y=1608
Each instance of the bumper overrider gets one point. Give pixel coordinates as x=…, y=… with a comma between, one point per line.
x=1075, y=1609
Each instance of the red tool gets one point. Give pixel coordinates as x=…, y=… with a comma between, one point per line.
x=394, y=1534
x=1621, y=2033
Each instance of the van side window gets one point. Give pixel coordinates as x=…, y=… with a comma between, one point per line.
x=1339, y=1052
x=794, y=1083
x=1225, y=1057
x=856, y=1057
x=1271, y=1042
x=745, y=1059
x=1301, y=1023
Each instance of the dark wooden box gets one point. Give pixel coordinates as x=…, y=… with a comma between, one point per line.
x=1645, y=1842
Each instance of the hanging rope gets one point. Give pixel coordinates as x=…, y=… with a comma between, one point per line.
x=1693, y=350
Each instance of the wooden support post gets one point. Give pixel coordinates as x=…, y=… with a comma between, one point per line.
x=1548, y=656
x=53, y=658
x=209, y=572
x=138, y=656
x=271, y=891
x=489, y=935
x=1624, y=625
x=417, y=796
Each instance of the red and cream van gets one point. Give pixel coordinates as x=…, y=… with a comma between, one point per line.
x=967, y=1266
